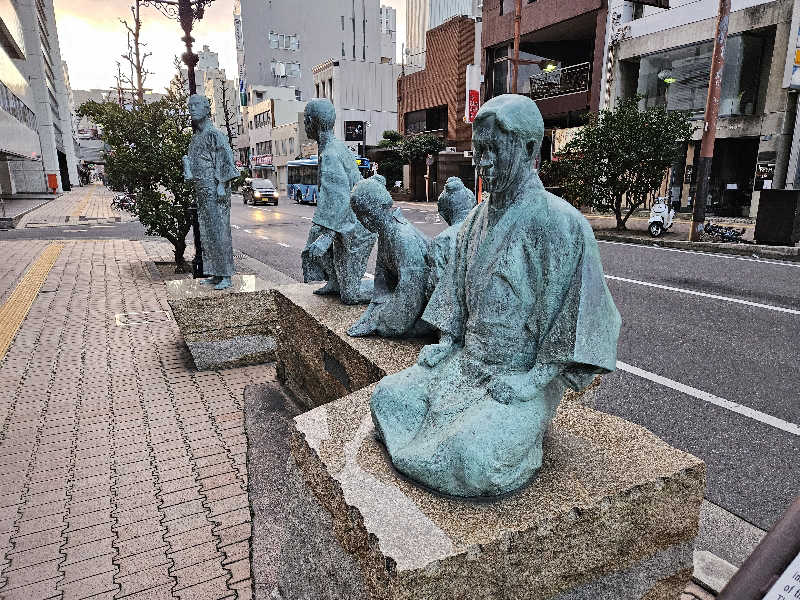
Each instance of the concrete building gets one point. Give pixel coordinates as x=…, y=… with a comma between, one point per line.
x=564, y=44
x=665, y=55
x=37, y=152
x=424, y=15
x=434, y=101
x=224, y=99
x=289, y=142
x=365, y=97
x=282, y=41
x=388, y=34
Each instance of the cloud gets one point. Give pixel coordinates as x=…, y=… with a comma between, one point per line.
x=92, y=40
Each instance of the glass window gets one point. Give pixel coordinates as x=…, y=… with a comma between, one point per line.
x=294, y=42
x=293, y=69
x=415, y=121
x=273, y=40
x=678, y=79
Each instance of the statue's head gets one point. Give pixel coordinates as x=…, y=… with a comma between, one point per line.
x=455, y=201
x=371, y=202
x=319, y=116
x=506, y=137
x=199, y=107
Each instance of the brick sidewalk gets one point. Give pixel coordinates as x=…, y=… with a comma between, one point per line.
x=122, y=469
x=88, y=203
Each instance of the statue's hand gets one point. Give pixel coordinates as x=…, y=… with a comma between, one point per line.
x=187, y=169
x=511, y=389
x=433, y=354
x=320, y=246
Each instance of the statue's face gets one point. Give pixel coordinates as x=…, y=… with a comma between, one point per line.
x=311, y=130
x=499, y=155
x=198, y=109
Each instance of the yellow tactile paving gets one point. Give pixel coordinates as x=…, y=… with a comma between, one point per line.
x=14, y=310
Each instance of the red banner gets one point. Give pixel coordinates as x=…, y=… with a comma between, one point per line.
x=474, y=104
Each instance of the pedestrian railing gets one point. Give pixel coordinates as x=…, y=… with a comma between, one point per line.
x=561, y=81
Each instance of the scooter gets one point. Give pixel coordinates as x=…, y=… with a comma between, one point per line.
x=661, y=217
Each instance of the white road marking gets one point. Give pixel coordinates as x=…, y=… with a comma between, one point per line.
x=247, y=231
x=791, y=311
x=73, y=230
x=306, y=218
x=745, y=411
x=235, y=226
x=782, y=263
x=282, y=244
x=101, y=226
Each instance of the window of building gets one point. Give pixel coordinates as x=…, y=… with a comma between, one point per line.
x=343, y=52
x=430, y=119
x=502, y=7
x=284, y=41
x=293, y=70
x=678, y=79
x=291, y=146
x=638, y=11
x=342, y=26
x=273, y=39
x=316, y=90
x=330, y=89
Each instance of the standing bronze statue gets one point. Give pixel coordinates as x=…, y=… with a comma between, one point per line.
x=524, y=312
x=338, y=245
x=210, y=166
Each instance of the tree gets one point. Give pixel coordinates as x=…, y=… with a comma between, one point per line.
x=228, y=110
x=621, y=156
x=147, y=143
x=135, y=57
x=416, y=147
x=391, y=163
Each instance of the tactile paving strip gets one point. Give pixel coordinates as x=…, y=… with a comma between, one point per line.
x=13, y=312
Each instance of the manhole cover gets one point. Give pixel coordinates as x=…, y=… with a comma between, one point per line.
x=132, y=319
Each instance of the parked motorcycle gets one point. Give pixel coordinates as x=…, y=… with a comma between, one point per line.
x=122, y=202
x=661, y=217
x=721, y=233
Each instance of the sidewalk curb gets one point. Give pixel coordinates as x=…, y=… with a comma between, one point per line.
x=711, y=572
x=789, y=253
x=12, y=222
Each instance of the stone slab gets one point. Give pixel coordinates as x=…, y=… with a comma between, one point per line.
x=317, y=360
x=613, y=514
x=227, y=328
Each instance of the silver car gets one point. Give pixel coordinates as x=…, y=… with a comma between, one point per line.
x=259, y=191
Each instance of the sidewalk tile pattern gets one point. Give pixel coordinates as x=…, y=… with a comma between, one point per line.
x=122, y=468
x=89, y=203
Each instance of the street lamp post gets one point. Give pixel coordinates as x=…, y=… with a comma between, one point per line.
x=187, y=12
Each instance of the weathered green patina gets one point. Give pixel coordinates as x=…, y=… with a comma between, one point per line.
x=401, y=270
x=338, y=246
x=210, y=165
x=523, y=311
x=455, y=202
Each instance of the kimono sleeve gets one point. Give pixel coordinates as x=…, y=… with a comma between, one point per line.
x=583, y=333
x=224, y=168
x=447, y=310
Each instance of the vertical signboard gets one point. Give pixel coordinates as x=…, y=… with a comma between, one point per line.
x=473, y=100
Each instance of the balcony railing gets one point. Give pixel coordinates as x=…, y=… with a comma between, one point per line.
x=559, y=82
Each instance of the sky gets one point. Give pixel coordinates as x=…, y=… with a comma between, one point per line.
x=92, y=39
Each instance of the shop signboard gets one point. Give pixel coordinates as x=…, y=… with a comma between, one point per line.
x=765, y=173
x=262, y=160
x=473, y=93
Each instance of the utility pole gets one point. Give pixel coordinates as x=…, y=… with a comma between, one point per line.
x=710, y=124
x=517, y=27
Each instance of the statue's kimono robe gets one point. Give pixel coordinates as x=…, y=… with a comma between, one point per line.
x=442, y=247
x=528, y=291
x=211, y=162
x=346, y=260
x=401, y=274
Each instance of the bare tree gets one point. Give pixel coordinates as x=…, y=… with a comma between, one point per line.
x=136, y=56
x=228, y=112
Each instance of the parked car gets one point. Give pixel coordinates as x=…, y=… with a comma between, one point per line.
x=259, y=191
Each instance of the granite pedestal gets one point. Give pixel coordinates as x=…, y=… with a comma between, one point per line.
x=229, y=328
x=317, y=360
x=612, y=515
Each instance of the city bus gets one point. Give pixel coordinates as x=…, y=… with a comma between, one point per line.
x=301, y=177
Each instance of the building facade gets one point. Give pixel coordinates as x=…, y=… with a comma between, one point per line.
x=365, y=98
x=289, y=142
x=665, y=56
x=561, y=52
x=388, y=34
x=434, y=101
x=282, y=41
x=424, y=15
x=37, y=150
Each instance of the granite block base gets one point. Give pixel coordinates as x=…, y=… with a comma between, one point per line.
x=316, y=358
x=228, y=328
x=612, y=515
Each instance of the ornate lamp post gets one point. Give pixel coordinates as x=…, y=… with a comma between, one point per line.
x=187, y=12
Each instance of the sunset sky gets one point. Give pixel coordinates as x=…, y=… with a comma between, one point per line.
x=92, y=39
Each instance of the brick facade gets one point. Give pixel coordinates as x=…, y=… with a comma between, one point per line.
x=450, y=48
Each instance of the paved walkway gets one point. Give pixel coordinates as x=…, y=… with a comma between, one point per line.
x=81, y=204
x=122, y=469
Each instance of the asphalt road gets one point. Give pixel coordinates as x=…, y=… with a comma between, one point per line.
x=708, y=348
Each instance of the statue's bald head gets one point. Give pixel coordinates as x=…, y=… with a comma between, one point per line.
x=319, y=116
x=455, y=201
x=371, y=201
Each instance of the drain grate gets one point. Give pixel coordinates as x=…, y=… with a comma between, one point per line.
x=133, y=319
